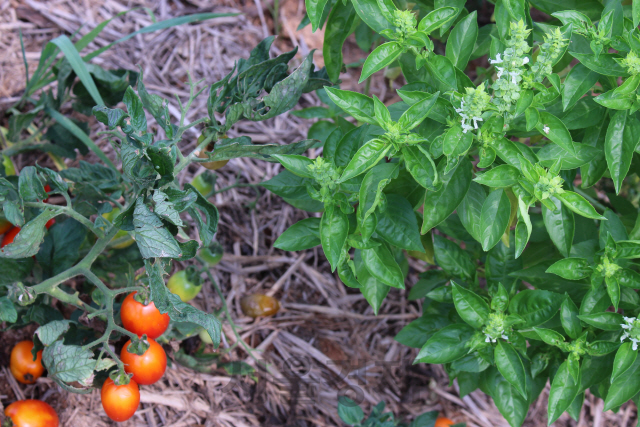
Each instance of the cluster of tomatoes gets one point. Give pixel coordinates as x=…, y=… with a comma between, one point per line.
x=27, y=369
x=120, y=401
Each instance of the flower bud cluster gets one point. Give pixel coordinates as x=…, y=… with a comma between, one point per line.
x=473, y=104
x=511, y=66
x=631, y=328
x=553, y=46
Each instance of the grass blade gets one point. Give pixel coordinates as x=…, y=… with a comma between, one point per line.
x=71, y=53
x=79, y=133
x=187, y=19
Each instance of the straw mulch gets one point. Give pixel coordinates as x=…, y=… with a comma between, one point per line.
x=326, y=339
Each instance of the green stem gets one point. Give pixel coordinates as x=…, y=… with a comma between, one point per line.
x=71, y=299
x=67, y=211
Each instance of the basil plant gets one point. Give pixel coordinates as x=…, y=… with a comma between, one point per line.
x=516, y=182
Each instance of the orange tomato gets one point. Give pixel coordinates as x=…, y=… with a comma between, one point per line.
x=21, y=364
x=9, y=236
x=148, y=368
x=32, y=413
x=257, y=305
x=143, y=319
x=203, y=155
x=120, y=402
x=444, y=422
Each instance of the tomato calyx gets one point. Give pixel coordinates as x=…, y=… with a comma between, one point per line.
x=120, y=377
x=143, y=296
x=8, y=422
x=22, y=295
x=139, y=346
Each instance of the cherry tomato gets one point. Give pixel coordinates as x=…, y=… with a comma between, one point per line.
x=257, y=305
x=32, y=413
x=9, y=236
x=111, y=216
x=443, y=422
x=120, y=402
x=203, y=155
x=50, y=223
x=148, y=368
x=9, y=169
x=22, y=366
x=143, y=319
x=202, y=185
x=5, y=226
x=184, y=284
x=212, y=254
x=47, y=188
x=205, y=337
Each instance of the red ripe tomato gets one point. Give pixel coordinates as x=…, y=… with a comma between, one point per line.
x=148, y=368
x=47, y=188
x=9, y=236
x=143, y=319
x=120, y=402
x=443, y=422
x=50, y=223
x=5, y=226
x=32, y=413
x=22, y=366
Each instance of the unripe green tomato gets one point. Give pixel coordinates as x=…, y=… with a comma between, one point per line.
x=180, y=285
x=205, y=337
x=9, y=169
x=212, y=254
x=202, y=185
x=111, y=216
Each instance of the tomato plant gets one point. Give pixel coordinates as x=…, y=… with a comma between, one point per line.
x=31, y=413
x=142, y=317
x=120, y=402
x=185, y=283
x=117, y=221
x=22, y=364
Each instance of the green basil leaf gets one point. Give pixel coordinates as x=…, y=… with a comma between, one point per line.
x=298, y=165
x=494, y=218
x=473, y=309
x=369, y=155
x=334, y=229
x=446, y=345
x=382, y=265
x=625, y=358
x=438, y=205
x=359, y=106
x=302, y=235
x=535, y=306
x=554, y=129
x=462, y=40
x=560, y=225
x=381, y=57
x=579, y=205
x=510, y=365
x=437, y=18
x=571, y=268
x=452, y=258
x=624, y=388
x=623, y=135
x=397, y=224
x=500, y=176
x=607, y=321
x=569, y=319
x=470, y=210
x=564, y=390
